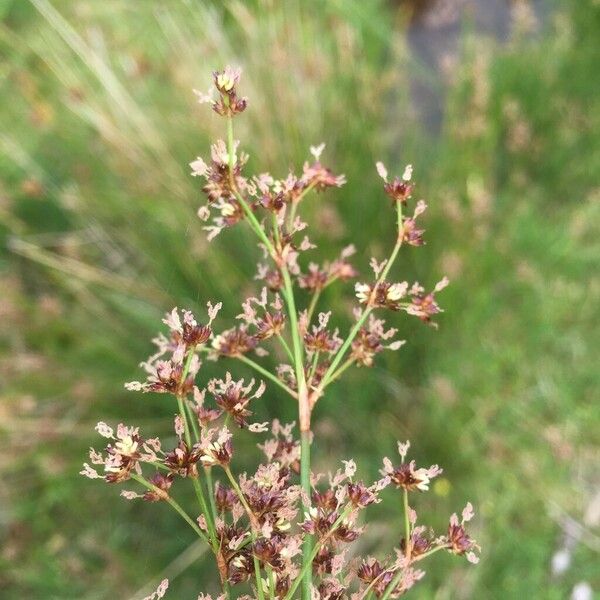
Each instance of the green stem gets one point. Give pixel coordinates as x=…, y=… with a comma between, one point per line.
x=297, y=345
x=341, y=370
x=211, y=492
x=407, y=536
x=304, y=418
x=313, y=367
x=186, y=427
x=313, y=304
x=195, y=480
x=173, y=504
x=293, y=315
x=192, y=420
x=307, y=566
x=251, y=518
x=368, y=310
x=342, y=351
x=429, y=553
x=400, y=572
x=254, y=223
x=266, y=373
x=295, y=204
x=272, y=584
x=390, y=588
x=286, y=347
x=307, y=547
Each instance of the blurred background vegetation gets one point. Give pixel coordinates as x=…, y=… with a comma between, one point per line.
x=494, y=103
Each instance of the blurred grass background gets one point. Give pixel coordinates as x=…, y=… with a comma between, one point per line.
x=99, y=237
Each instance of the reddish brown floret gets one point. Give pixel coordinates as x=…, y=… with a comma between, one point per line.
x=398, y=190
x=182, y=460
x=163, y=484
x=233, y=402
x=459, y=540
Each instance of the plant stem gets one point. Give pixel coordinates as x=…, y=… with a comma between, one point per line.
x=254, y=223
x=266, y=373
x=304, y=419
x=295, y=204
x=313, y=304
x=407, y=535
x=313, y=367
x=399, y=574
x=429, y=553
x=211, y=492
x=341, y=370
x=307, y=547
x=174, y=505
x=297, y=346
x=272, y=585
x=392, y=585
x=252, y=520
x=286, y=347
x=192, y=420
x=368, y=310
x=195, y=480
x=307, y=566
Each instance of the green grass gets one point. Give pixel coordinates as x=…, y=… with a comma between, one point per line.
x=99, y=238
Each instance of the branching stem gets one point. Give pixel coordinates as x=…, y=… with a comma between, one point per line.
x=174, y=505
x=368, y=310
x=253, y=526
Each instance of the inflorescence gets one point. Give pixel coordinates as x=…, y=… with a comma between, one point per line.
x=282, y=531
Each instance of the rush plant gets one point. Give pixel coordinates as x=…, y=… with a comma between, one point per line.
x=283, y=531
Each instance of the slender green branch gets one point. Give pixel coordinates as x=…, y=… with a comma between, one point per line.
x=342, y=351
x=368, y=310
x=193, y=420
x=407, y=534
x=295, y=204
x=396, y=580
x=313, y=367
x=307, y=566
x=429, y=553
x=254, y=223
x=211, y=492
x=304, y=410
x=295, y=333
x=252, y=520
x=188, y=438
x=268, y=374
x=158, y=465
x=195, y=480
x=186, y=427
x=390, y=588
x=286, y=347
x=307, y=546
x=272, y=583
x=313, y=305
x=348, y=363
x=173, y=504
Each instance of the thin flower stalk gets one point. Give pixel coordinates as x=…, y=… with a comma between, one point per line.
x=367, y=311
x=175, y=506
x=252, y=519
x=195, y=480
x=259, y=369
x=307, y=565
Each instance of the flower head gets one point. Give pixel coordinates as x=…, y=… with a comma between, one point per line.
x=408, y=477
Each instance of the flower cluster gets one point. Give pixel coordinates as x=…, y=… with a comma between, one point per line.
x=279, y=531
x=257, y=522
